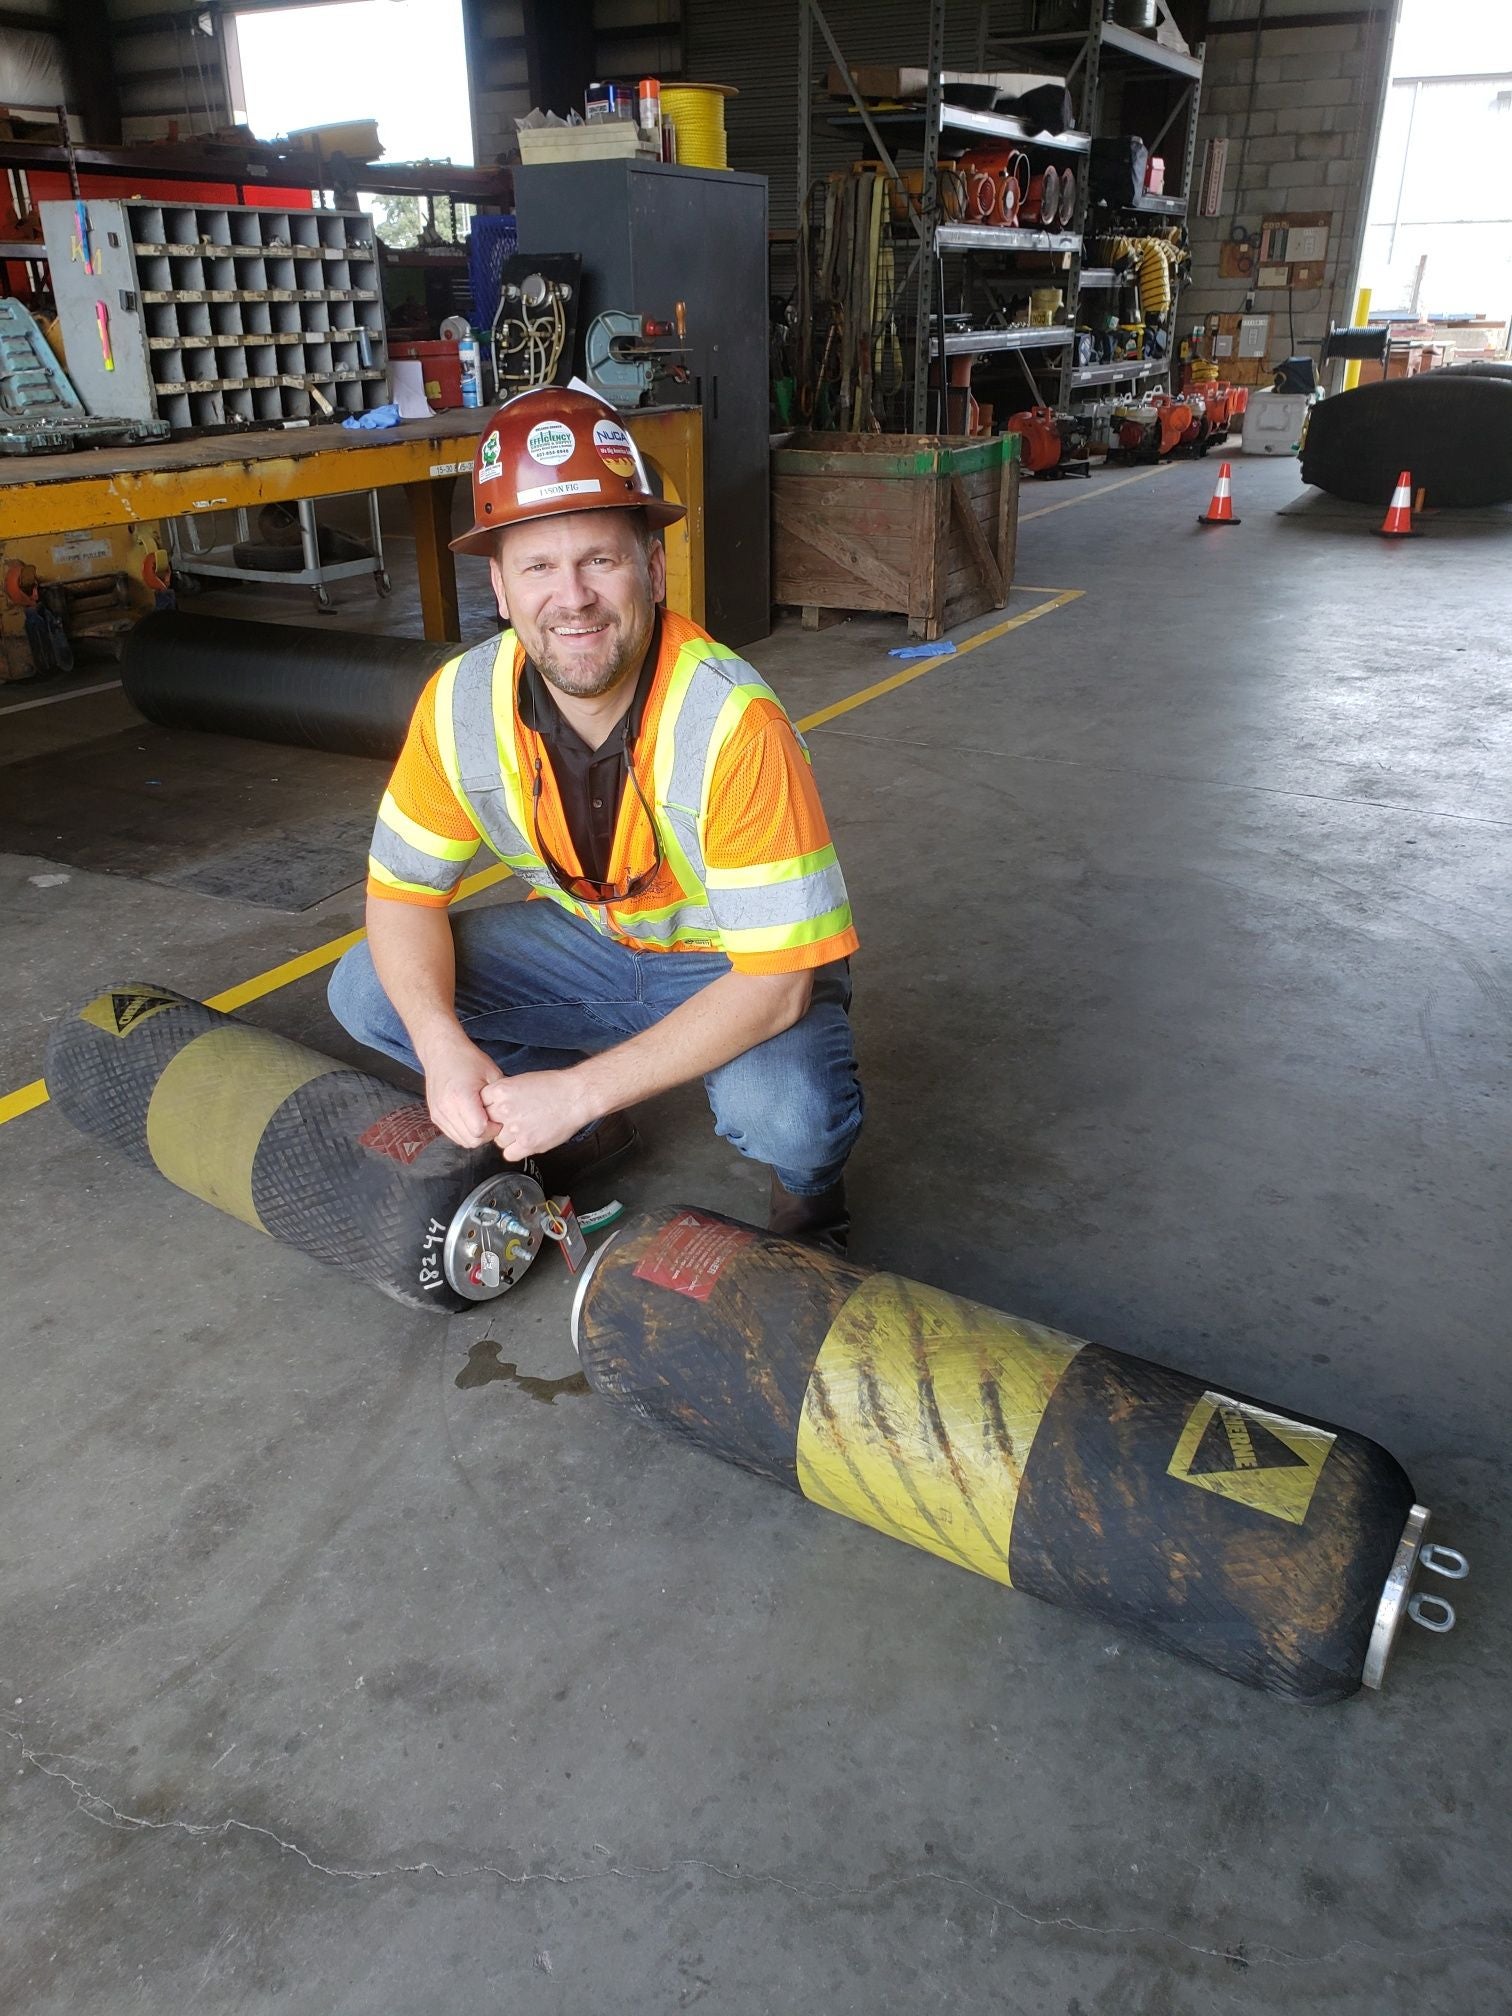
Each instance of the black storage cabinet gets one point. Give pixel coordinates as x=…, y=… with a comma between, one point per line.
x=650, y=236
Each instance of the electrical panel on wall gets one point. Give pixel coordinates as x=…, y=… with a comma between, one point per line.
x=1294, y=249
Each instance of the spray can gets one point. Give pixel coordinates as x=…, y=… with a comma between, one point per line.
x=648, y=106
x=470, y=359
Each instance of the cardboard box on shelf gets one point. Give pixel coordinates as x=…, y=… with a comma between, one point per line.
x=608, y=139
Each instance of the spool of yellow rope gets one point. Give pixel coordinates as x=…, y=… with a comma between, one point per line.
x=697, y=115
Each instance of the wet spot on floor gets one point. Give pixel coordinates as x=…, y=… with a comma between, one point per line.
x=484, y=1366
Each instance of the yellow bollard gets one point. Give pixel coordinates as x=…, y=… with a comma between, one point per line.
x=1361, y=317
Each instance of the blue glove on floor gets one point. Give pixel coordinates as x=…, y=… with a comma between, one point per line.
x=922, y=650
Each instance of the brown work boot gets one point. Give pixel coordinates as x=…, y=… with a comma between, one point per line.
x=562, y=1171
x=820, y=1220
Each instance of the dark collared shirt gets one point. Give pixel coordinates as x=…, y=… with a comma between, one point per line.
x=591, y=781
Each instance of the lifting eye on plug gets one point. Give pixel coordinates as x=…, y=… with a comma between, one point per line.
x=1445, y=1561
x=1436, y=1613
x=1399, y=1599
x=1441, y=1617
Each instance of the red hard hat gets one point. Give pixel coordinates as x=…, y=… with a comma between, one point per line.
x=553, y=451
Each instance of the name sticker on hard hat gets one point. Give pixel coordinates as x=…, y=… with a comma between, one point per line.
x=489, y=465
x=615, y=448
x=1254, y=1457
x=549, y=442
x=544, y=492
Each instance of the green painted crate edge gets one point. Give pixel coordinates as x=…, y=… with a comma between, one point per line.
x=928, y=456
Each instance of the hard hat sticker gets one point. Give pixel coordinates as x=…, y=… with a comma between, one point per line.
x=616, y=449
x=544, y=492
x=549, y=442
x=1245, y=1453
x=489, y=465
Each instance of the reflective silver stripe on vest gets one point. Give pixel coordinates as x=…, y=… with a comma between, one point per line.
x=480, y=755
x=677, y=923
x=409, y=864
x=768, y=905
x=711, y=685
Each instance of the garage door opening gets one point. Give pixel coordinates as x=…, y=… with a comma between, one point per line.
x=1437, y=255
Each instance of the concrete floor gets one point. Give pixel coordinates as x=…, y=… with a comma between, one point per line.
x=334, y=1681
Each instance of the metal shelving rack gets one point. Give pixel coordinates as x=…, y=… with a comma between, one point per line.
x=1106, y=44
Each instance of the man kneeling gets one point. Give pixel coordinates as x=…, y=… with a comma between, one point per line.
x=688, y=916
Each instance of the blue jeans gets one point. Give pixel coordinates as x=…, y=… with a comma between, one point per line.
x=538, y=989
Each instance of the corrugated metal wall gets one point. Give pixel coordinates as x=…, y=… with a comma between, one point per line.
x=168, y=72
x=632, y=39
x=755, y=48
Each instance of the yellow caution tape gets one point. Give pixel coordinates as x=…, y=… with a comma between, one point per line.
x=212, y=1105
x=920, y=1414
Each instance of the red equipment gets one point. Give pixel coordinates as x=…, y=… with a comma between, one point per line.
x=1183, y=422
x=1223, y=404
x=995, y=184
x=1041, y=204
x=1157, y=427
x=1052, y=444
x=1191, y=424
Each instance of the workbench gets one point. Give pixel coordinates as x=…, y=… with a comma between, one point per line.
x=51, y=494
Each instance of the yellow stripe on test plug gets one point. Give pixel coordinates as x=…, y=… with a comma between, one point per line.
x=920, y=1414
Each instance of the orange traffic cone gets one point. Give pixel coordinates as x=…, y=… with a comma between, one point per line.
x=1221, y=510
x=1399, y=514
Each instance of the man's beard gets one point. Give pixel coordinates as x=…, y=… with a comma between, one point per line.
x=587, y=679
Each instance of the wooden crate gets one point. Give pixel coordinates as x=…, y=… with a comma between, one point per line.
x=924, y=525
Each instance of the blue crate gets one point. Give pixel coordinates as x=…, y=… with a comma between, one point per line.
x=493, y=240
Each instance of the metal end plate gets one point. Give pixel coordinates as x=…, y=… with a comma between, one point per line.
x=582, y=1288
x=494, y=1236
x=1394, y=1598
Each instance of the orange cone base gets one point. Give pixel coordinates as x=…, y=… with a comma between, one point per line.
x=1396, y=532
x=1205, y=520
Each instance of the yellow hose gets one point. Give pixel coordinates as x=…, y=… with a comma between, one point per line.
x=1154, y=278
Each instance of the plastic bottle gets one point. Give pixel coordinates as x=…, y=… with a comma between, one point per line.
x=470, y=358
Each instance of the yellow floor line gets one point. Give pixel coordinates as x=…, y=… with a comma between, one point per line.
x=27, y=1098
x=1102, y=490
x=1059, y=598
x=14, y=1104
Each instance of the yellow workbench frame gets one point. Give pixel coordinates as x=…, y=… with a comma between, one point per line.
x=49, y=494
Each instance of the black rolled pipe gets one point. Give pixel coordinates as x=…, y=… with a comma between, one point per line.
x=341, y=690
